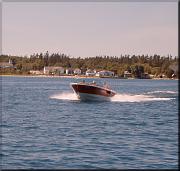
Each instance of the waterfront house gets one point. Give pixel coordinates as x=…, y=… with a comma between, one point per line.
x=69, y=71
x=7, y=64
x=105, y=73
x=127, y=74
x=83, y=71
x=77, y=71
x=53, y=70
x=90, y=72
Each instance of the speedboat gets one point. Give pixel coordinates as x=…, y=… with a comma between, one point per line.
x=92, y=91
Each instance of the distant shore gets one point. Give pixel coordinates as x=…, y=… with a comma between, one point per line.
x=75, y=76
x=49, y=76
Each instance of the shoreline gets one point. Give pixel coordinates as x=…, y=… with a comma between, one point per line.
x=49, y=76
x=74, y=76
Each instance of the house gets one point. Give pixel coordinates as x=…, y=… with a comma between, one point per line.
x=83, y=71
x=77, y=71
x=97, y=74
x=127, y=74
x=90, y=72
x=69, y=71
x=105, y=73
x=7, y=64
x=53, y=70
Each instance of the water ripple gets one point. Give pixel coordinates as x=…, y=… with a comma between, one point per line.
x=44, y=126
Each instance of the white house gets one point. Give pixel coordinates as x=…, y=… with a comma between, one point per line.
x=127, y=74
x=54, y=70
x=90, y=72
x=69, y=71
x=77, y=71
x=6, y=64
x=105, y=73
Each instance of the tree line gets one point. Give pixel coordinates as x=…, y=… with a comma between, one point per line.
x=136, y=64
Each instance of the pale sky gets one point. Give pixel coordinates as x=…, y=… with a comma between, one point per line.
x=88, y=29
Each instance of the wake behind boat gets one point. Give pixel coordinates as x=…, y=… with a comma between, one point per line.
x=92, y=91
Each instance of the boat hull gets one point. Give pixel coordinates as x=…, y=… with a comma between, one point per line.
x=91, y=92
x=92, y=97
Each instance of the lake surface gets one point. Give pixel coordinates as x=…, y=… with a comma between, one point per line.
x=44, y=126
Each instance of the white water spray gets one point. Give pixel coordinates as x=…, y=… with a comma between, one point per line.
x=162, y=92
x=65, y=96
x=117, y=98
x=136, y=98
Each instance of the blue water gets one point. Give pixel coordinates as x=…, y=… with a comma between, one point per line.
x=44, y=126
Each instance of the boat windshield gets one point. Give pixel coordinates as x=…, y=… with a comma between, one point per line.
x=96, y=82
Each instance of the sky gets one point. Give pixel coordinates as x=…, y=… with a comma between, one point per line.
x=86, y=29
